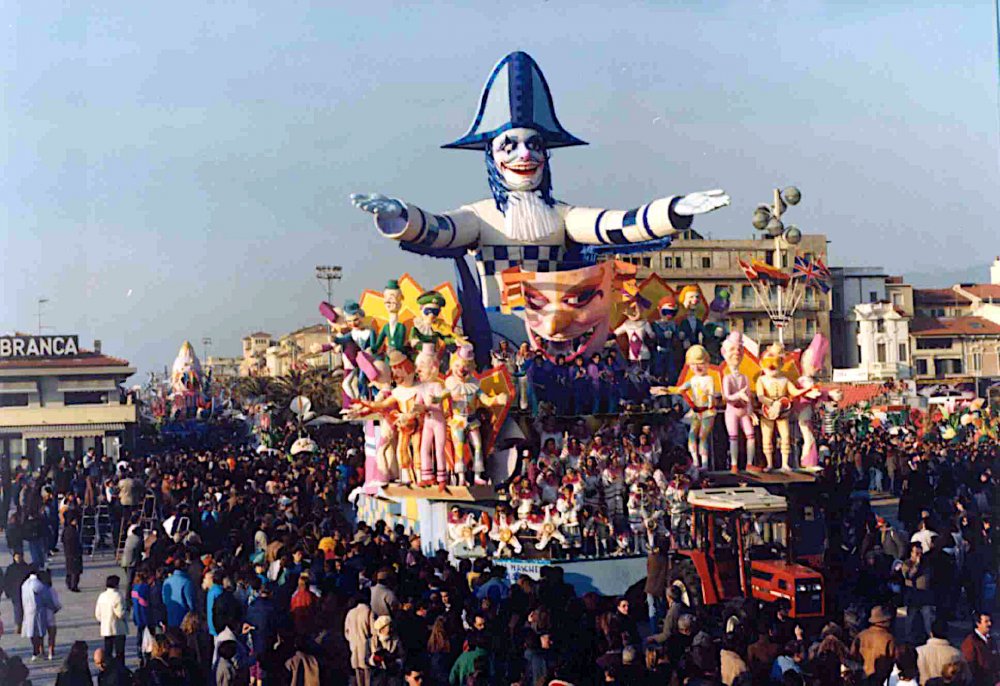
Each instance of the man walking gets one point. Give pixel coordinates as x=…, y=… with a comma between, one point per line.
x=918, y=594
x=980, y=650
x=13, y=579
x=74, y=554
x=110, y=612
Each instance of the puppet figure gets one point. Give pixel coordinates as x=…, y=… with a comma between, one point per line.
x=547, y=528
x=637, y=331
x=466, y=398
x=504, y=533
x=431, y=394
x=690, y=329
x=805, y=405
x=775, y=393
x=463, y=531
x=665, y=365
x=514, y=129
x=736, y=394
x=715, y=324
x=355, y=339
x=386, y=409
x=428, y=327
x=393, y=332
x=700, y=391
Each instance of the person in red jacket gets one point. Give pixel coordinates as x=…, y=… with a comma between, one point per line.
x=980, y=650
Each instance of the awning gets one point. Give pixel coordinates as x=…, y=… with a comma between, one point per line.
x=87, y=385
x=61, y=430
x=18, y=387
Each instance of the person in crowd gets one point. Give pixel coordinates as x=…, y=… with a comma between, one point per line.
x=111, y=672
x=75, y=670
x=933, y=656
x=110, y=613
x=36, y=601
x=13, y=580
x=979, y=649
x=876, y=645
x=73, y=553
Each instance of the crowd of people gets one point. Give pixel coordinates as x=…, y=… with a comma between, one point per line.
x=254, y=571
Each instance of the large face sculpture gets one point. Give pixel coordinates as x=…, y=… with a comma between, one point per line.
x=568, y=313
x=520, y=156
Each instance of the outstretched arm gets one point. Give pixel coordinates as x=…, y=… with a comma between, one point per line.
x=658, y=219
x=408, y=223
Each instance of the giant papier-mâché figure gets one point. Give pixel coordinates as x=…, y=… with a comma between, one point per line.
x=466, y=397
x=736, y=393
x=515, y=127
x=805, y=405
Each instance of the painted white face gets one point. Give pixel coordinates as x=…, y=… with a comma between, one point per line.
x=520, y=156
x=393, y=300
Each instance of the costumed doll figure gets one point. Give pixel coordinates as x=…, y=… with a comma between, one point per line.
x=466, y=398
x=568, y=506
x=775, y=392
x=355, y=339
x=399, y=408
x=805, y=406
x=701, y=390
x=428, y=327
x=736, y=394
x=690, y=328
x=665, y=365
x=715, y=324
x=638, y=332
x=386, y=461
x=431, y=394
x=393, y=335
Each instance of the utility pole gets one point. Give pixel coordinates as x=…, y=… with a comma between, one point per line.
x=207, y=343
x=41, y=301
x=328, y=274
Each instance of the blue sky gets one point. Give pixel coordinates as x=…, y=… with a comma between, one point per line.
x=200, y=155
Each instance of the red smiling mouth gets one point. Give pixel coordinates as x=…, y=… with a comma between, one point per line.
x=522, y=169
x=571, y=349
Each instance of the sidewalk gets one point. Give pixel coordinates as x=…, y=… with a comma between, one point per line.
x=75, y=622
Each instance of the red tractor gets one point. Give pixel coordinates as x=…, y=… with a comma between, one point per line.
x=738, y=548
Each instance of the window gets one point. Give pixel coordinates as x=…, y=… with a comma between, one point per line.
x=880, y=326
x=746, y=294
x=646, y=262
x=947, y=366
x=810, y=326
x=784, y=259
x=85, y=398
x=668, y=262
x=872, y=297
x=13, y=399
x=977, y=362
x=897, y=299
x=749, y=324
x=810, y=296
x=880, y=353
x=933, y=343
x=773, y=327
x=922, y=366
x=677, y=263
x=706, y=263
x=902, y=352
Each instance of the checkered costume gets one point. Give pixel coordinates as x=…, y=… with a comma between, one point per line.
x=480, y=228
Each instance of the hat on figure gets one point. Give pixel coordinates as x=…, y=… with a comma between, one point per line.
x=516, y=95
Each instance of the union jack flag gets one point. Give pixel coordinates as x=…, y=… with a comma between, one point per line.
x=814, y=273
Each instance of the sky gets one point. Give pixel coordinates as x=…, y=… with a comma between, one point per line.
x=177, y=170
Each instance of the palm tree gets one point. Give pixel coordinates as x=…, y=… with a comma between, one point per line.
x=250, y=389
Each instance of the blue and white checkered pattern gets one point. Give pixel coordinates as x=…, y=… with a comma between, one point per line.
x=491, y=260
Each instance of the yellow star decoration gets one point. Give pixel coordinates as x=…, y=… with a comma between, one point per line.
x=374, y=305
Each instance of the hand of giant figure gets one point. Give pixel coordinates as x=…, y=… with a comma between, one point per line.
x=522, y=224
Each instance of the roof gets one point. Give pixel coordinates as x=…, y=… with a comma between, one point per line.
x=855, y=394
x=986, y=291
x=938, y=296
x=84, y=359
x=749, y=499
x=953, y=326
x=258, y=334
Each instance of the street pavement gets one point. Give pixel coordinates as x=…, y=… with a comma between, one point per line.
x=75, y=622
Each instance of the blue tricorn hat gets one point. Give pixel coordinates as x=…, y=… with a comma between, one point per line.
x=515, y=96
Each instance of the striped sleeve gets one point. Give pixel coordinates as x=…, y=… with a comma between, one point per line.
x=454, y=229
x=594, y=226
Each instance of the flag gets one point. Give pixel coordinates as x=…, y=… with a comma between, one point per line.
x=748, y=270
x=768, y=273
x=813, y=273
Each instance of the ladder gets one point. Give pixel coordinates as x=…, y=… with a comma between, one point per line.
x=147, y=520
x=95, y=528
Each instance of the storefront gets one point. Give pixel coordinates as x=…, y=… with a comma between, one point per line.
x=56, y=400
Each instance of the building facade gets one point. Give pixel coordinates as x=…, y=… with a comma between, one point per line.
x=57, y=400
x=223, y=367
x=852, y=286
x=255, y=348
x=713, y=264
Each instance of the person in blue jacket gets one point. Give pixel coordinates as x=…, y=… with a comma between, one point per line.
x=178, y=595
x=140, y=608
x=214, y=591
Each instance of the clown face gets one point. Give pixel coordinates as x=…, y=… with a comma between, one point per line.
x=431, y=312
x=667, y=311
x=520, y=156
x=568, y=313
x=403, y=373
x=427, y=366
x=393, y=299
x=692, y=297
x=733, y=356
x=633, y=311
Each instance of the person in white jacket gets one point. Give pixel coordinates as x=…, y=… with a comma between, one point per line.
x=110, y=612
x=358, y=632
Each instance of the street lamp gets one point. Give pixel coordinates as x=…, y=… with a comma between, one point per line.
x=207, y=342
x=41, y=301
x=790, y=286
x=328, y=274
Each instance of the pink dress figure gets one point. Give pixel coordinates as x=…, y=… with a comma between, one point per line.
x=430, y=398
x=736, y=393
x=804, y=406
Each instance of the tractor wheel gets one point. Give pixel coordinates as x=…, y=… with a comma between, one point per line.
x=684, y=575
x=738, y=616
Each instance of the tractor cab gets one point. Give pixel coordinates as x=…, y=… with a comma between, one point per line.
x=741, y=547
